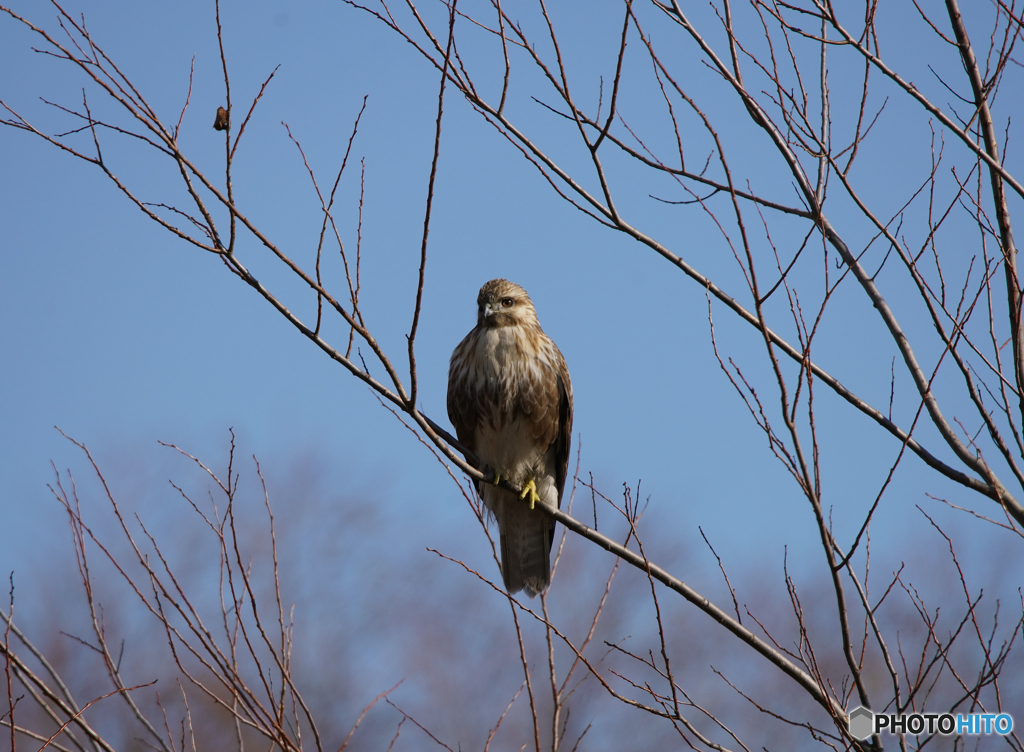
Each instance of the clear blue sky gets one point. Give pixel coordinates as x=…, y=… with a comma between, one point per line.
x=124, y=336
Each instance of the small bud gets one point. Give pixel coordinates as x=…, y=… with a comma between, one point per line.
x=221, y=123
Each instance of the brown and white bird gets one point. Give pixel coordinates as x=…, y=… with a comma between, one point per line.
x=510, y=400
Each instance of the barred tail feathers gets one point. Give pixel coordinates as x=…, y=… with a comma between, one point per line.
x=526, y=536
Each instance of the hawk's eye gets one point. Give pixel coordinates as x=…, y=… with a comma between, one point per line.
x=507, y=302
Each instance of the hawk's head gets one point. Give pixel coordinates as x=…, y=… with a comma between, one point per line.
x=503, y=303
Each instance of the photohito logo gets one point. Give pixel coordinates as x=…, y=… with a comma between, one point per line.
x=863, y=723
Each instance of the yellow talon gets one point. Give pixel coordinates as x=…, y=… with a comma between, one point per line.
x=497, y=478
x=530, y=488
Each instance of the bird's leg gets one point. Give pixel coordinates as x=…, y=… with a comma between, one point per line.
x=530, y=488
x=497, y=477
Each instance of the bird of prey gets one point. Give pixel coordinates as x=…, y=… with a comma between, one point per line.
x=510, y=400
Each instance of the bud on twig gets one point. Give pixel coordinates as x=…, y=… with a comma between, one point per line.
x=221, y=123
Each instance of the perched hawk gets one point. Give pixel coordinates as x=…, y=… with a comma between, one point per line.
x=510, y=400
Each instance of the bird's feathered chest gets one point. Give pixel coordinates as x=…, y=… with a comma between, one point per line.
x=505, y=381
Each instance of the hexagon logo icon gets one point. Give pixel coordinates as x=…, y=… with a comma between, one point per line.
x=862, y=723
